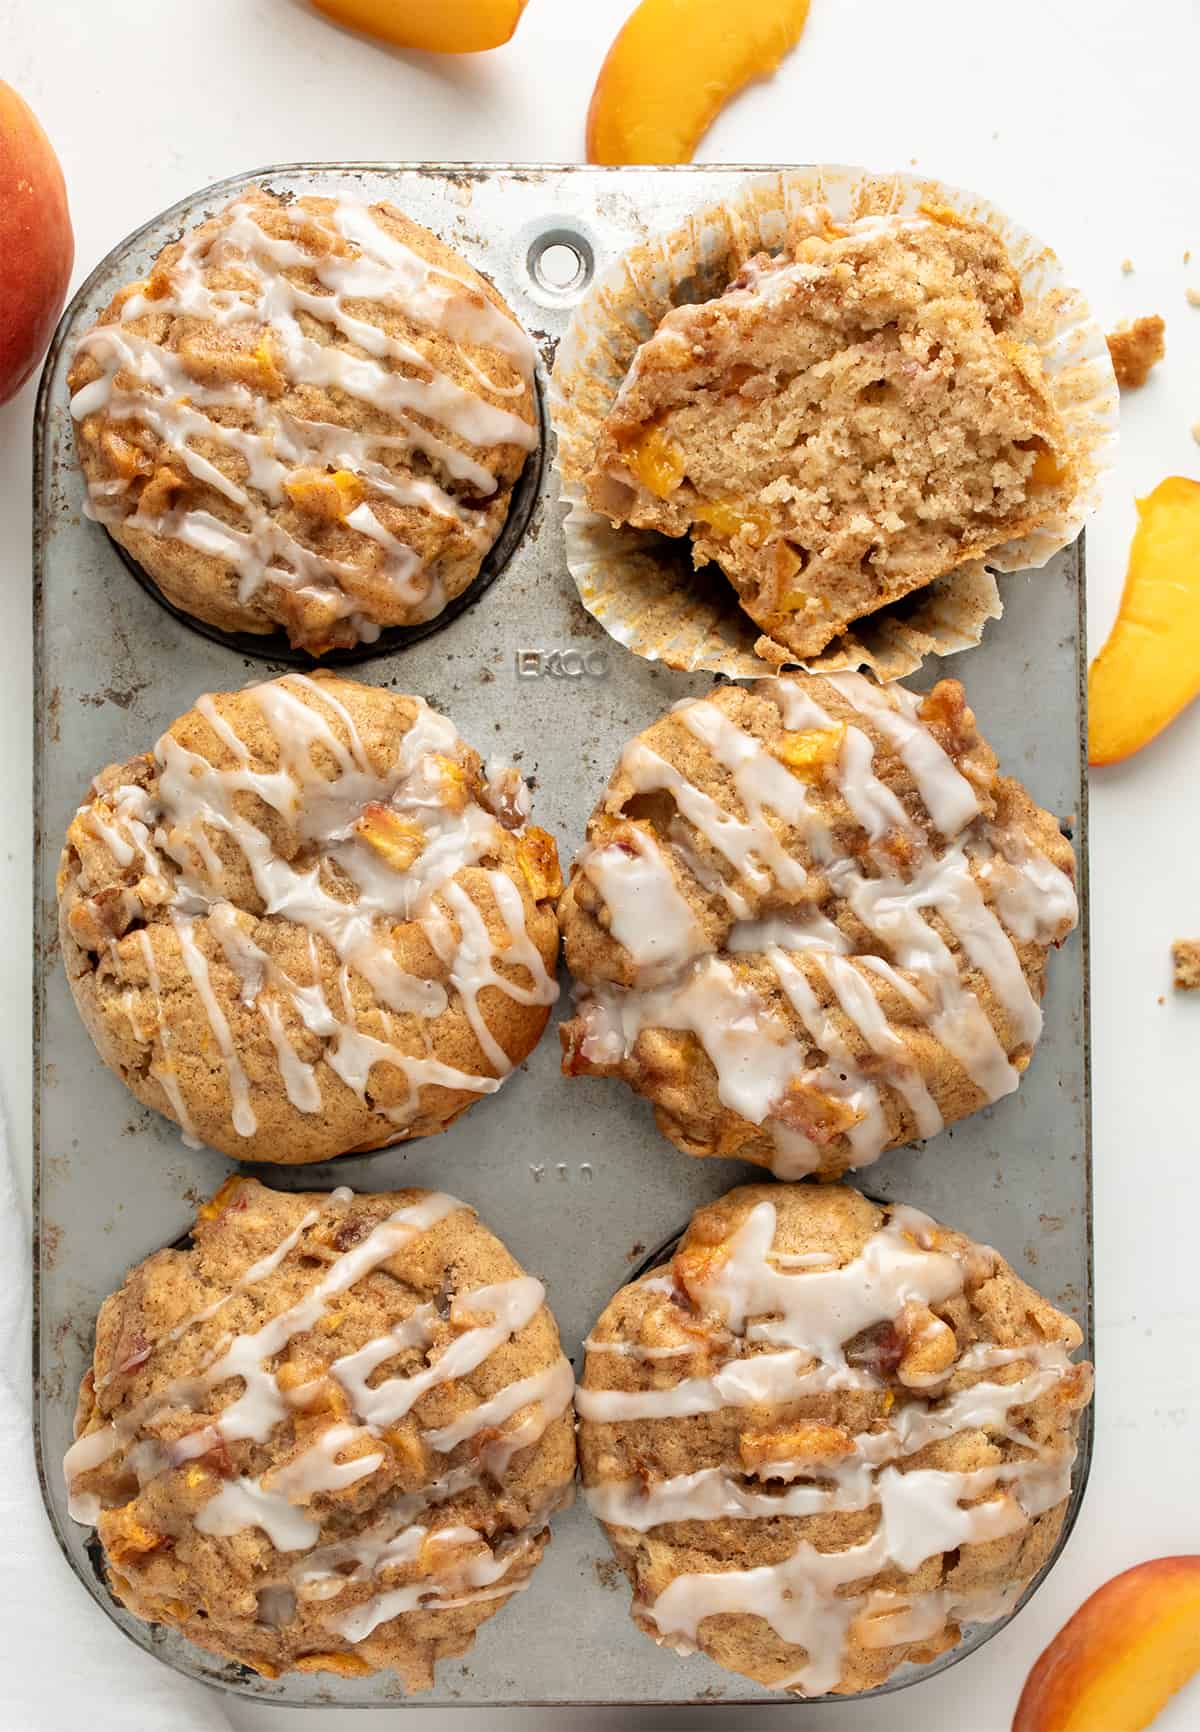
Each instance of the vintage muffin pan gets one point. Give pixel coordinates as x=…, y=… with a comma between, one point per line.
x=572, y=1176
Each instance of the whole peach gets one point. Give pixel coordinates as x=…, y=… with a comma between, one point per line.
x=37, y=247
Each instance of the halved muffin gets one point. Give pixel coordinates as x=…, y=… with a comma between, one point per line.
x=843, y=425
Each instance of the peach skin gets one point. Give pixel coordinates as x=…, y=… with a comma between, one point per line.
x=455, y=27
x=1149, y=669
x=1125, y=1652
x=675, y=65
x=37, y=247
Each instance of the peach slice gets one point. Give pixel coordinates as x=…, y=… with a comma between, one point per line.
x=675, y=65
x=37, y=246
x=1124, y=1653
x=459, y=27
x=1149, y=670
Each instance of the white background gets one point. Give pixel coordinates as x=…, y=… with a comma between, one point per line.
x=1079, y=119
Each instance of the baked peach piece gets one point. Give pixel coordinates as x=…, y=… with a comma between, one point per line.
x=1128, y=1648
x=674, y=67
x=37, y=247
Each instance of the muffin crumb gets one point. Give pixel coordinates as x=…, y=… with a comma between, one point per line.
x=1185, y=953
x=1135, y=349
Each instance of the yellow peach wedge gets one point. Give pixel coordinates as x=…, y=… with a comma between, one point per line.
x=454, y=27
x=675, y=65
x=1122, y=1656
x=1149, y=670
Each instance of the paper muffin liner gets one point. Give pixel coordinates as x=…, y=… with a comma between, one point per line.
x=641, y=585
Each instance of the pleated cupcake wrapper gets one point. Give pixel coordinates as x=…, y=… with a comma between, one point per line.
x=642, y=586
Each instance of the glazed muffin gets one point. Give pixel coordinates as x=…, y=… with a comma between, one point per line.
x=811, y=922
x=329, y=1435
x=307, y=924
x=310, y=414
x=827, y=1436
x=843, y=425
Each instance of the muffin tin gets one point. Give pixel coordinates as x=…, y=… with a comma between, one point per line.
x=572, y=1175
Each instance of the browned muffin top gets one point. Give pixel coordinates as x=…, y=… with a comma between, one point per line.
x=811, y=921
x=327, y=1437
x=308, y=923
x=827, y=1436
x=310, y=414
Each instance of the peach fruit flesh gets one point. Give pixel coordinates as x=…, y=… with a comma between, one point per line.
x=675, y=65
x=1128, y=1648
x=451, y=27
x=37, y=247
x=1149, y=669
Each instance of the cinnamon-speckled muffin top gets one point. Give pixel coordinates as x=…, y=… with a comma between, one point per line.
x=811, y=921
x=827, y=1436
x=329, y=1436
x=310, y=414
x=307, y=924
x=843, y=425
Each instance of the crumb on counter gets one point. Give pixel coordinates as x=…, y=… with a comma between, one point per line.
x=1196, y=431
x=1185, y=954
x=1126, y=267
x=1193, y=296
x=1135, y=349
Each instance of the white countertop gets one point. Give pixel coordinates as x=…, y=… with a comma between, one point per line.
x=1076, y=119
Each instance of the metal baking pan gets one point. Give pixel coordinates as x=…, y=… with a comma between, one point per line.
x=572, y=1175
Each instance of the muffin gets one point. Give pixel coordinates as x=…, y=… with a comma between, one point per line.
x=845, y=424
x=328, y=1436
x=826, y=1436
x=307, y=924
x=309, y=415
x=811, y=922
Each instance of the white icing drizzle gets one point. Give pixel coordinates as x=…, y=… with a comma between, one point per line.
x=806, y=1313
x=165, y=392
x=949, y=798
x=511, y=1303
x=271, y=1502
x=1034, y=898
x=980, y=882
x=244, y=1121
x=165, y=1074
x=863, y=1009
x=549, y=1392
x=754, y=1054
x=197, y=799
x=478, y=1574
x=277, y=1502
x=648, y=913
